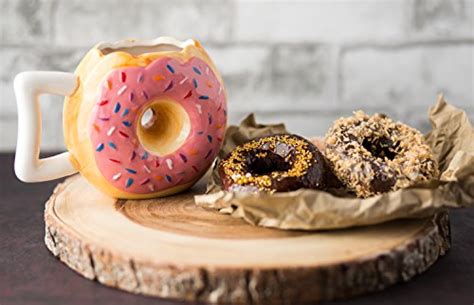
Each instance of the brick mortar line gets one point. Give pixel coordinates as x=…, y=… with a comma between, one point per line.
x=52, y=23
x=349, y=44
x=232, y=43
x=408, y=44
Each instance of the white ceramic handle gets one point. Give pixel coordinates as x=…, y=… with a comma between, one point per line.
x=28, y=87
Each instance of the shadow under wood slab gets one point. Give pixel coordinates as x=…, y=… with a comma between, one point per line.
x=171, y=248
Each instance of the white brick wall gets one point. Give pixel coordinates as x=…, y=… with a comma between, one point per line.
x=305, y=62
x=208, y=20
x=413, y=75
x=441, y=18
x=25, y=22
x=316, y=21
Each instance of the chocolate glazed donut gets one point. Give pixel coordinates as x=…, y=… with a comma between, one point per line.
x=276, y=163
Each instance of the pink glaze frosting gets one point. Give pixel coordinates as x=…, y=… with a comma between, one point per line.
x=120, y=156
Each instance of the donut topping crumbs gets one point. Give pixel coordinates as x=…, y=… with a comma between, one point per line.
x=261, y=161
x=374, y=154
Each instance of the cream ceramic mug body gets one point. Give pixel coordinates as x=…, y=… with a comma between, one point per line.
x=141, y=119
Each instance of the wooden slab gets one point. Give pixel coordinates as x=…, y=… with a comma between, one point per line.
x=170, y=248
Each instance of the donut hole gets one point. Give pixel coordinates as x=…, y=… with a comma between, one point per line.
x=381, y=147
x=164, y=126
x=266, y=162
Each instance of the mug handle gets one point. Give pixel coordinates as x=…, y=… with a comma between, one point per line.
x=28, y=87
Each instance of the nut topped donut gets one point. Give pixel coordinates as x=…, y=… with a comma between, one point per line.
x=374, y=154
x=157, y=120
x=275, y=163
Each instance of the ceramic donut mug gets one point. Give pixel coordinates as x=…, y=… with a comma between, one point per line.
x=141, y=119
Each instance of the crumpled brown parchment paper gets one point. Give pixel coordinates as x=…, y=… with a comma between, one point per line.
x=452, y=141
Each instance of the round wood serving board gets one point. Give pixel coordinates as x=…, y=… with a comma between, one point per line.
x=171, y=248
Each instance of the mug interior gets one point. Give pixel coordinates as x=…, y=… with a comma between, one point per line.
x=138, y=47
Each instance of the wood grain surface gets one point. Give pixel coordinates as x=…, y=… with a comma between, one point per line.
x=170, y=248
x=29, y=274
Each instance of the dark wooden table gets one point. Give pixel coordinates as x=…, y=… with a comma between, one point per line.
x=29, y=274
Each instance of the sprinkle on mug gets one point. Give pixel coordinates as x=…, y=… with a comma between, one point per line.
x=129, y=182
